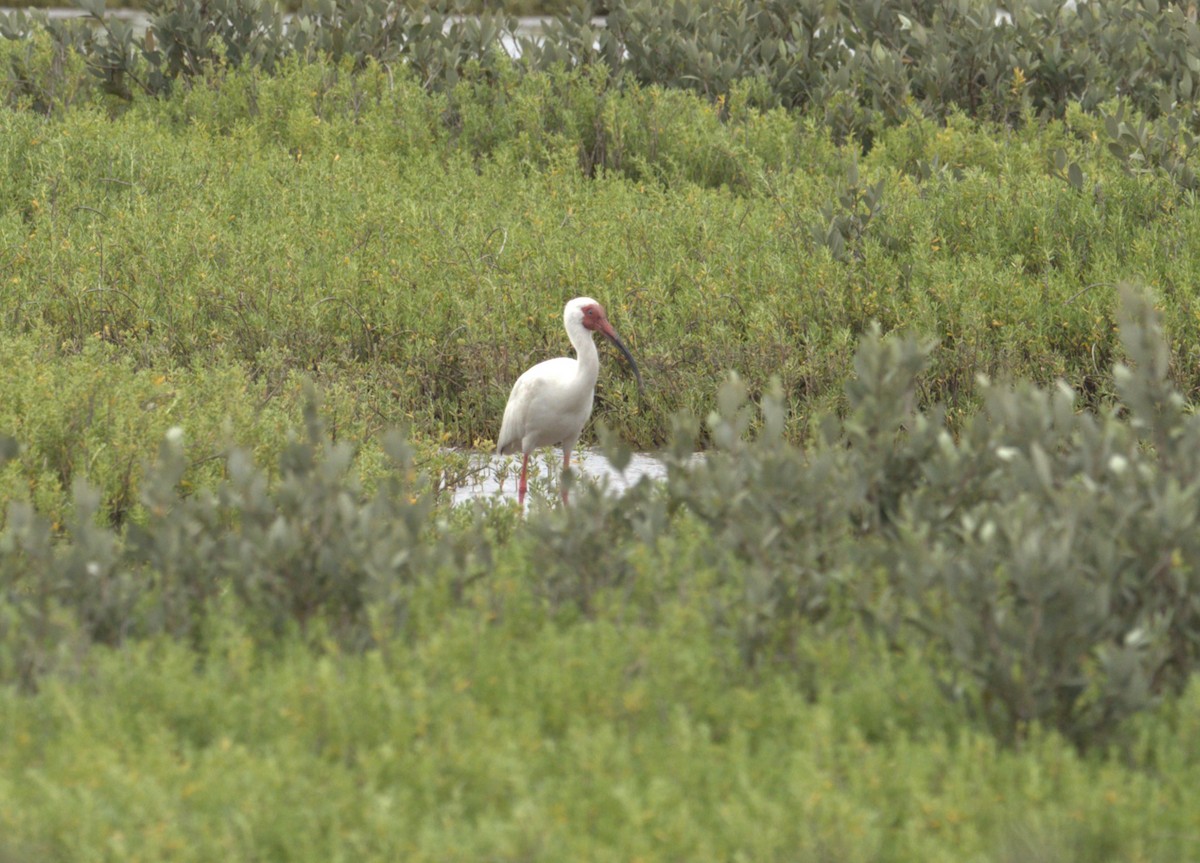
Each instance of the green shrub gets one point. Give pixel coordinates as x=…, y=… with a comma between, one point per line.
x=1045, y=554
x=860, y=65
x=1041, y=560
x=1048, y=550
x=305, y=548
x=344, y=242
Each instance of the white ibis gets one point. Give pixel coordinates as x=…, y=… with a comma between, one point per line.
x=551, y=402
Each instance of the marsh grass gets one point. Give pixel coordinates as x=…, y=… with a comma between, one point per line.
x=415, y=249
x=722, y=669
x=526, y=739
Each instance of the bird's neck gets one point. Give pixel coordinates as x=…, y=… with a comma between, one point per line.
x=586, y=358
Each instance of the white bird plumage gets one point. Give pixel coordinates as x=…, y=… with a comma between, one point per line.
x=551, y=402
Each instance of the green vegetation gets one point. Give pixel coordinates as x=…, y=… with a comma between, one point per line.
x=411, y=251
x=858, y=64
x=926, y=646
x=930, y=595
x=508, y=7
x=524, y=739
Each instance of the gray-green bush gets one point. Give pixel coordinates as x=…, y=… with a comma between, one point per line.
x=1042, y=560
x=862, y=64
x=1046, y=553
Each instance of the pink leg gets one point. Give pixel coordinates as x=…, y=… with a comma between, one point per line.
x=561, y=482
x=521, y=487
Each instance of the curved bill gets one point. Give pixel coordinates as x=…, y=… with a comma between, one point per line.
x=612, y=336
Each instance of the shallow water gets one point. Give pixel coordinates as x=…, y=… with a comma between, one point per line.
x=497, y=475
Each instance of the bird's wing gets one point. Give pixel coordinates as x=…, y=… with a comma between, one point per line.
x=512, y=427
x=541, y=399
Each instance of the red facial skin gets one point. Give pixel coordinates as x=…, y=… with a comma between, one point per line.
x=594, y=319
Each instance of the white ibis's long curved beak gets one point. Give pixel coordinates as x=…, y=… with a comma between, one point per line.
x=606, y=328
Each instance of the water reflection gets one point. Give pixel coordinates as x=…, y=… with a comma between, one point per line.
x=496, y=475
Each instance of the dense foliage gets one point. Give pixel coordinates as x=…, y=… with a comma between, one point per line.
x=1047, y=554
x=411, y=250
x=528, y=8
x=860, y=63
x=889, y=580
x=929, y=594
